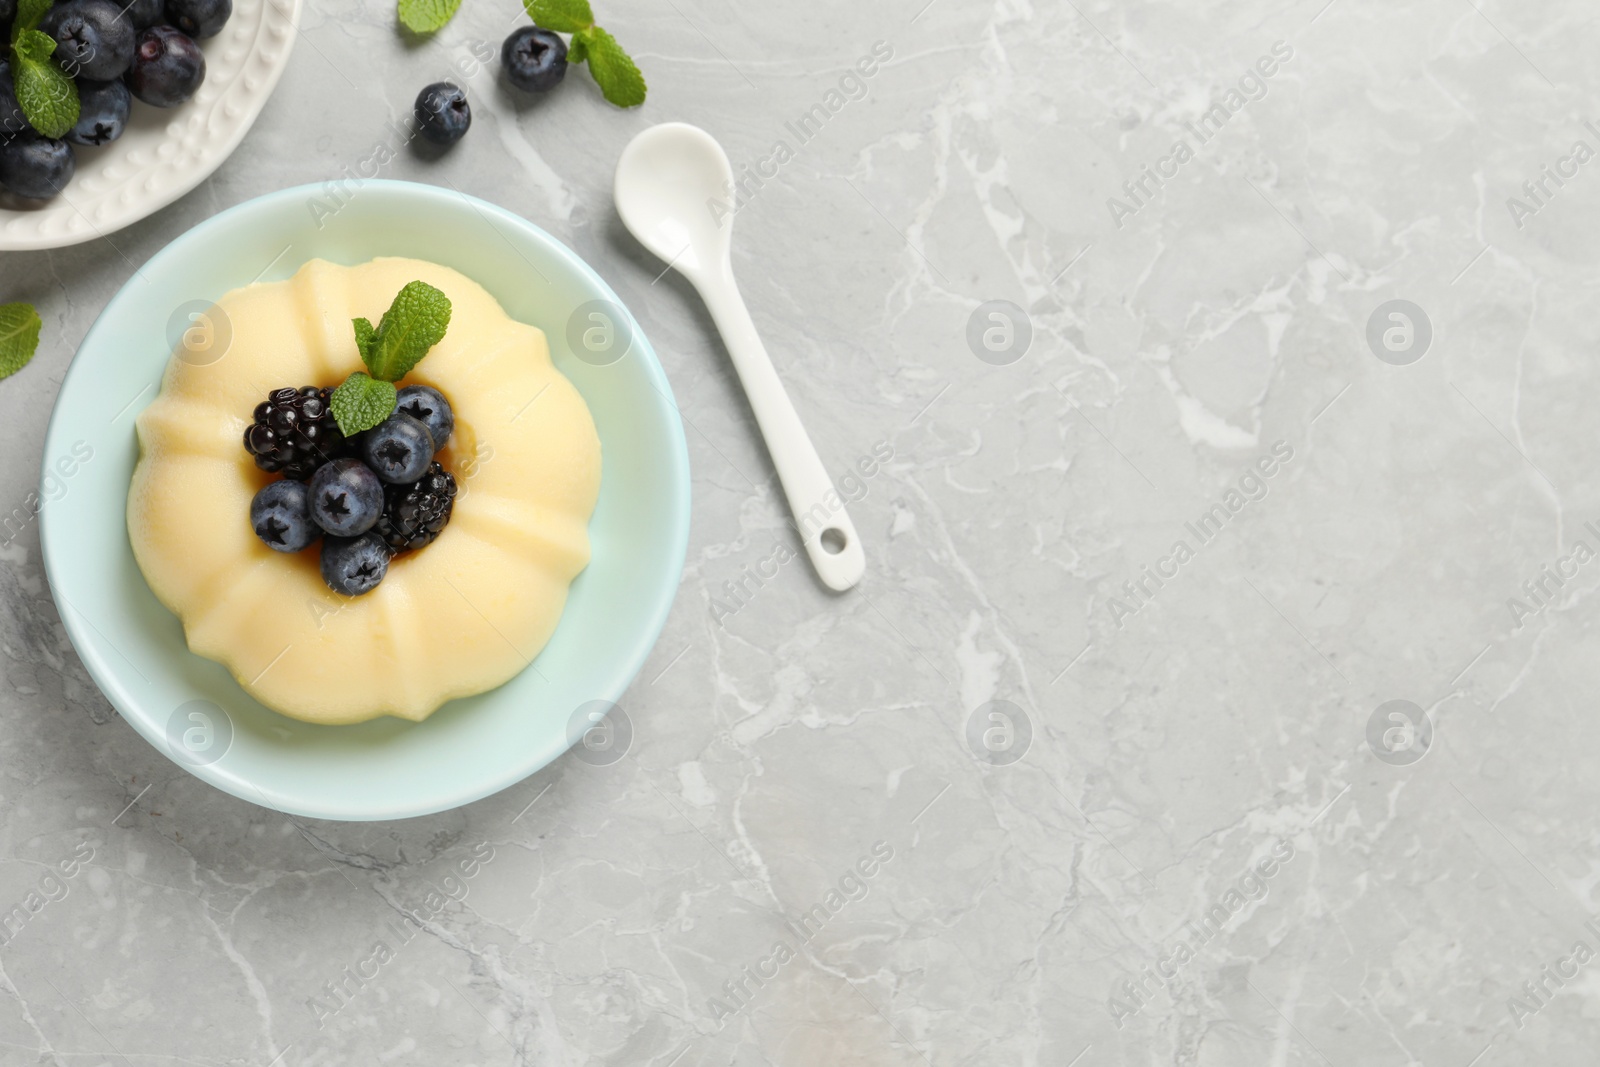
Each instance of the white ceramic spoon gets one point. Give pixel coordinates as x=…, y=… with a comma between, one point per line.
x=668, y=180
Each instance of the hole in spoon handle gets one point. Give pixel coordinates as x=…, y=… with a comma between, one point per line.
x=836, y=553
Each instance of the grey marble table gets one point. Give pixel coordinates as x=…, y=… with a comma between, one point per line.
x=1217, y=694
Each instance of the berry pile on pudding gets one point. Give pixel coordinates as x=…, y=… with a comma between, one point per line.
x=358, y=461
x=393, y=499
x=395, y=531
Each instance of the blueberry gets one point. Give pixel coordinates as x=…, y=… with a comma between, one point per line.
x=8, y=10
x=354, y=565
x=535, y=59
x=102, y=112
x=142, y=14
x=428, y=406
x=398, y=449
x=92, y=38
x=11, y=118
x=443, y=113
x=346, y=497
x=281, y=516
x=36, y=167
x=167, y=68
x=199, y=18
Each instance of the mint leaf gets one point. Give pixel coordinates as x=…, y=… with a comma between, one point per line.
x=414, y=323
x=426, y=16
x=19, y=337
x=364, y=336
x=34, y=44
x=563, y=16
x=613, y=69
x=49, y=98
x=29, y=12
x=360, y=403
x=578, y=50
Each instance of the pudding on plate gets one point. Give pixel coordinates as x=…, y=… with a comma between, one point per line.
x=459, y=616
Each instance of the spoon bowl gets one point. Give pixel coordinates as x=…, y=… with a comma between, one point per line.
x=668, y=183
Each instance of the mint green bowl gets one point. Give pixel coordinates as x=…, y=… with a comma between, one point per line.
x=190, y=708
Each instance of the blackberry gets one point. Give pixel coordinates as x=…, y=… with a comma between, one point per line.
x=413, y=515
x=294, y=432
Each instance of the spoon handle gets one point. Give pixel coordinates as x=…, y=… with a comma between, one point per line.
x=819, y=512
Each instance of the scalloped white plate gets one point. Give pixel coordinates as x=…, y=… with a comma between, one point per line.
x=165, y=152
